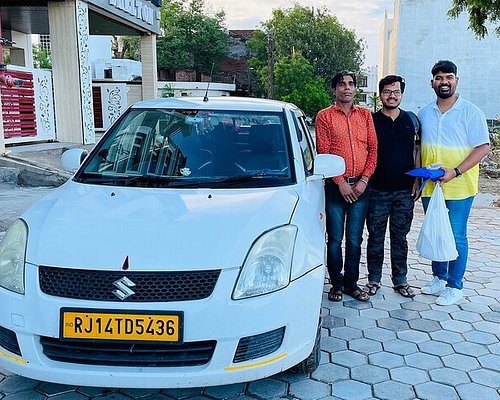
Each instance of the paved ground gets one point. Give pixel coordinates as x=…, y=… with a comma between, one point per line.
x=388, y=348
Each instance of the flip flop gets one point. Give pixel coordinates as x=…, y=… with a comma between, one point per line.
x=372, y=288
x=335, y=295
x=404, y=290
x=358, y=294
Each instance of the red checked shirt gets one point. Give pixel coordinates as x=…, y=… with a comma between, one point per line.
x=350, y=136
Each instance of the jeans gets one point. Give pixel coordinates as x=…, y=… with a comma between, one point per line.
x=453, y=271
x=395, y=207
x=349, y=218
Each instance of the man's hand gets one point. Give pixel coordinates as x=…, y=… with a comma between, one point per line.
x=415, y=191
x=359, y=187
x=347, y=192
x=449, y=174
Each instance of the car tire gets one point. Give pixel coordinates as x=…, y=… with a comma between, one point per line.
x=312, y=361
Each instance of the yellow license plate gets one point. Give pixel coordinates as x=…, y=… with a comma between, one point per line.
x=121, y=325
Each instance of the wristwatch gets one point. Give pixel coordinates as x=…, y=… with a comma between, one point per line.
x=458, y=173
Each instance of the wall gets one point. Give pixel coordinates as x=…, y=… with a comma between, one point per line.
x=196, y=89
x=384, y=38
x=426, y=35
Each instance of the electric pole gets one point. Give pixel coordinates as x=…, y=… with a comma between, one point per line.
x=270, y=65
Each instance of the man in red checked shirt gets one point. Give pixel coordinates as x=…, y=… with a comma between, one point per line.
x=346, y=130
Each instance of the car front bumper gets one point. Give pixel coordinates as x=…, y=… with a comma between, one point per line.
x=218, y=318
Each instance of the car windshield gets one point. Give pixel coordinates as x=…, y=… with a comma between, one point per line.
x=192, y=148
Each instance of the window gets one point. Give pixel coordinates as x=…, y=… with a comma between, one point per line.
x=363, y=81
x=306, y=143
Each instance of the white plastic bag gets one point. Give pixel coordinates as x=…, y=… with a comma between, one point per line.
x=436, y=241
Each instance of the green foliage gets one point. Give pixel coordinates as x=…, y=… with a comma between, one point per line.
x=317, y=35
x=41, y=58
x=128, y=47
x=191, y=39
x=167, y=90
x=6, y=56
x=480, y=12
x=374, y=102
x=295, y=82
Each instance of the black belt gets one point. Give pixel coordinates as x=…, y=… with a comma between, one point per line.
x=351, y=180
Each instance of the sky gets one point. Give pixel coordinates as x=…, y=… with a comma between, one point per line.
x=362, y=16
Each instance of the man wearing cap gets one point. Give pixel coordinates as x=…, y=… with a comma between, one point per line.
x=455, y=134
x=346, y=130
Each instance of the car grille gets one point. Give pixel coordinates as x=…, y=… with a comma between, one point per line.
x=251, y=347
x=187, y=354
x=8, y=340
x=149, y=286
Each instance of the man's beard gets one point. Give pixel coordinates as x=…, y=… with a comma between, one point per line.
x=390, y=107
x=444, y=95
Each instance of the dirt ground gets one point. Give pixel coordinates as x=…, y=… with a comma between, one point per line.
x=489, y=176
x=489, y=185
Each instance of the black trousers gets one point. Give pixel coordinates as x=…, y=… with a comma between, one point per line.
x=395, y=207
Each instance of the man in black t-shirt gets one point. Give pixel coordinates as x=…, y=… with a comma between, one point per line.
x=392, y=193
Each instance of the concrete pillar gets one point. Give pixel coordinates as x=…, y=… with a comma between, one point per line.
x=21, y=53
x=149, y=67
x=69, y=36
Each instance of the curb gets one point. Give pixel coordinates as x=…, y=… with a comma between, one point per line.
x=22, y=173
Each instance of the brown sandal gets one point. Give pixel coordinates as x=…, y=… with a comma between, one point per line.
x=404, y=290
x=358, y=294
x=335, y=295
x=372, y=288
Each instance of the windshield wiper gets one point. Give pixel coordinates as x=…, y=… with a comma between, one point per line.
x=178, y=182
x=127, y=180
x=249, y=177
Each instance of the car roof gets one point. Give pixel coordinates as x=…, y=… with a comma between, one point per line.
x=216, y=103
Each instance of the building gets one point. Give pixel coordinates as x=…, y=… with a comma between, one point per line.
x=70, y=24
x=367, y=86
x=422, y=34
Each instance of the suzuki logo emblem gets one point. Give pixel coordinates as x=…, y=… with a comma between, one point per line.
x=123, y=286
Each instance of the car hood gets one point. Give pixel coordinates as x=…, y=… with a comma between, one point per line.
x=91, y=226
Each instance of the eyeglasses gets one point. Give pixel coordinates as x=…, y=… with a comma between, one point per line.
x=387, y=92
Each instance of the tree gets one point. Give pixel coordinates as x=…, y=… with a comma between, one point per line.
x=295, y=82
x=41, y=57
x=128, y=47
x=480, y=12
x=316, y=35
x=191, y=39
x=374, y=102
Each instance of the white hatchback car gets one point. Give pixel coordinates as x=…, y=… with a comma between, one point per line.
x=187, y=250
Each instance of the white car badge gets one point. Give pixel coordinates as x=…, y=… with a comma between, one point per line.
x=123, y=286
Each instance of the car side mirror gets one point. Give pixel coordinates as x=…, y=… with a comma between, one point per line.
x=328, y=165
x=72, y=159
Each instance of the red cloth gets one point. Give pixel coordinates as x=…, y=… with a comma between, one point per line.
x=350, y=136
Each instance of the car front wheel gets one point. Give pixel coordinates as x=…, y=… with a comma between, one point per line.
x=312, y=361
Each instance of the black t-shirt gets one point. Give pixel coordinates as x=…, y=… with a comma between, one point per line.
x=396, y=144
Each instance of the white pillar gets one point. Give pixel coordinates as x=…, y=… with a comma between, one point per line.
x=69, y=36
x=149, y=67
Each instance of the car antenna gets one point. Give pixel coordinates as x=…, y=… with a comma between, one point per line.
x=205, y=98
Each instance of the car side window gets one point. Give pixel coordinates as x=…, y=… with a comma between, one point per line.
x=306, y=143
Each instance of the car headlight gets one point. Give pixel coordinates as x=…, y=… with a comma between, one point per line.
x=12, y=257
x=268, y=264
